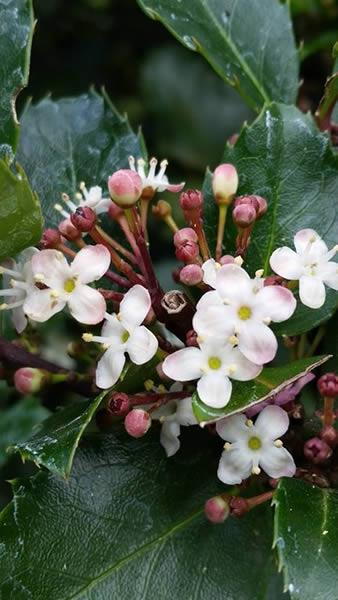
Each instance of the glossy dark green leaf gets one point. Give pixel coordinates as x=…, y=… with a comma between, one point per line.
x=129, y=523
x=248, y=393
x=306, y=537
x=64, y=142
x=284, y=158
x=20, y=214
x=251, y=46
x=16, y=31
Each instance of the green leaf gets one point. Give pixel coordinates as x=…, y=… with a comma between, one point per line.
x=64, y=142
x=284, y=158
x=306, y=537
x=248, y=393
x=16, y=32
x=129, y=523
x=251, y=46
x=21, y=220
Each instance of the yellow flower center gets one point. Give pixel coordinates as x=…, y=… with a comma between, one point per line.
x=254, y=443
x=244, y=313
x=214, y=362
x=125, y=337
x=69, y=285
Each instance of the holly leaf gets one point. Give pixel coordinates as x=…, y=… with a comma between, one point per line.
x=248, y=393
x=64, y=142
x=21, y=220
x=17, y=25
x=250, y=46
x=284, y=158
x=306, y=538
x=139, y=517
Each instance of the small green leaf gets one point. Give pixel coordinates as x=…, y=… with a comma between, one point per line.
x=248, y=393
x=251, y=46
x=306, y=537
x=64, y=142
x=21, y=220
x=16, y=32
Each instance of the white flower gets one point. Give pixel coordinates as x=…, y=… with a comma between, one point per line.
x=212, y=364
x=310, y=264
x=253, y=446
x=210, y=269
x=92, y=198
x=158, y=182
x=19, y=283
x=67, y=284
x=123, y=333
x=241, y=309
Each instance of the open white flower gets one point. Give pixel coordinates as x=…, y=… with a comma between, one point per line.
x=92, y=198
x=212, y=364
x=123, y=333
x=67, y=284
x=18, y=284
x=158, y=182
x=241, y=309
x=251, y=446
x=311, y=264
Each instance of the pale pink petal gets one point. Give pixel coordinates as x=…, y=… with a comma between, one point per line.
x=234, y=466
x=91, y=263
x=311, y=291
x=233, y=282
x=52, y=265
x=257, y=342
x=103, y=206
x=142, y=345
x=184, y=365
x=109, y=368
x=209, y=299
x=329, y=274
x=308, y=240
x=212, y=321
x=233, y=428
x=277, y=462
x=135, y=306
x=210, y=268
x=169, y=437
x=276, y=302
x=173, y=187
x=244, y=369
x=41, y=306
x=272, y=422
x=214, y=389
x=87, y=305
x=286, y=263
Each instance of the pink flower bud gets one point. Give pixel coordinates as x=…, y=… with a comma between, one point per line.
x=68, y=231
x=216, y=509
x=275, y=280
x=114, y=211
x=191, y=338
x=328, y=385
x=187, y=234
x=191, y=200
x=262, y=206
x=125, y=187
x=84, y=219
x=248, y=201
x=317, y=451
x=187, y=252
x=191, y=275
x=29, y=381
x=227, y=259
x=243, y=215
x=330, y=435
x=51, y=238
x=137, y=422
x=118, y=404
x=238, y=506
x=224, y=183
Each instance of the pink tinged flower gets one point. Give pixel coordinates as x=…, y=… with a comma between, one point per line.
x=224, y=183
x=211, y=267
x=91, y=198
x=213, y=364
x=67, y=285
x=173, y=415
x=18, y=285
x=251, y=447
x=158, y=182
x=123, y=333
x=311, y=264
x=125, y=187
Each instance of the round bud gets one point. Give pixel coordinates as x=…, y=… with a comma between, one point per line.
x=227, y=259
x=247, y=201
x=68, y=231
x=224, y=183
x=187, y=234
x=84, y=219
x=125, y=187
x=191, y=338
x=114, y=211
x=262, y=206
x=238, y=506
x=243, y=215
x=187, y=252
x=118, y=404
x=29, y=381
x=51, y=238
x=191, y=200
x=137, y=422
x=191, y=275
x=162, y=210
x=216, y=509
x=317, y=450
x=328, y=385
x=275, y=280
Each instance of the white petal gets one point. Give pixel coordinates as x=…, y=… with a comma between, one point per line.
x=169, y=437
x=277, y=462
x=234, y=466
x=232, y=429
x=209, y=299
x=276, y=302
x=212, y=322
x=113, y=329
x=184, y=365
x=329, y=274
x=286, y=263
x=27, y=254
x=257, y=342
x=109, y=368
x=214, y=389
x=311, y=291
x=91, y=263
x=135, y=306
x=210, y=268
x=40, y=306
x=184, y=413
x=142, y=345
x=18, y=319
x=243, y=369
x=87, y=305
x=233, y=282
x=272, y=422
x=52, y=265
x=308, y=240
x=103, y=206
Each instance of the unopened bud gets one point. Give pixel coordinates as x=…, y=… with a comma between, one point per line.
x=191, y=338
x=224, y=183
x=187, y=234
x=162, y=210
x=317, y=450
x=29, y=381
x=191, y=275
x=137, y=422
x=227, y=259
x=84, y=219
x=191, y=200
x=125, y=187
x=118, y=404
x=262, y=206
x=114, y=211
x=244, y=215
x=329, y=435
x=216, y=509
x=51, y=238
x=328, y=385
x=275, y=280
x=68, y=231
x=238, y=506
x=187, y=253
